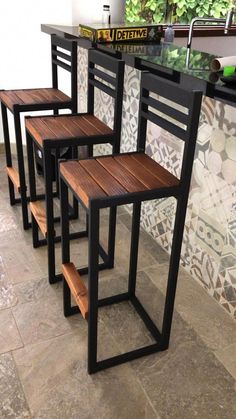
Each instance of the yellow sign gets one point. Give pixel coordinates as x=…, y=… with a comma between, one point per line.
x=132, y=33
x=87, y=33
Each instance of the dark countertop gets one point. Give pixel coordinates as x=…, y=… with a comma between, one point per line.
x=168, y=61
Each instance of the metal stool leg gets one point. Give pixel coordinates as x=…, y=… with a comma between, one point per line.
x=32, y=187
x=112, y=236
x=75, y=214
x=93, y=288
x=134, y=248
x=21, y=169
x=8, y=152
x=49, y=214
x=65, y=246
x=173, y=269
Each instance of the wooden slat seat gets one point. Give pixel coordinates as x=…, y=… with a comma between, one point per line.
x=115, y=176
x=28, y=97
x=65, y=127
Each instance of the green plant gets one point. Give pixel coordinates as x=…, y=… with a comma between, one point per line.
x=178, y=11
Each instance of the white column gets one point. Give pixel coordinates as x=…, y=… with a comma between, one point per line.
x=90, y=11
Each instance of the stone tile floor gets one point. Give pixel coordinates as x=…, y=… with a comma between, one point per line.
x=43, y=355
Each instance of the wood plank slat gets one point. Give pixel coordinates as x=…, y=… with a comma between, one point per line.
x=127, y=180
x=14, y=176
x=156, y=169
x=38, y=130
x=10, y=99
x=77, y=287
x=56, y=95
x=105, y=180
x=30, y=97
x=58, y=129
x=81, y=182
x=139, y=171
x=98, y=124
x=40, y=96
x=39, y=214
x=69, y=123
x=86, y=126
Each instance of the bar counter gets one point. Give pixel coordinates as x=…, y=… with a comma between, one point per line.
x=209, y=245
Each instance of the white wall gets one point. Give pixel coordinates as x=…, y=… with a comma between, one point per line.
x=218, y=45
x=24, y=49
x=85, y=11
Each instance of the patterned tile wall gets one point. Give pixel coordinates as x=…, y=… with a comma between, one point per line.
x=209, y=244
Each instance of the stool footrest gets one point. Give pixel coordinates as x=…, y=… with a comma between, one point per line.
x=39, y=214
x=13, y=174
x=77, y=287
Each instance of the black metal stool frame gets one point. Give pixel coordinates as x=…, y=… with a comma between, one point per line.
x=56, y=42
x=191, y=100
x=117, y=67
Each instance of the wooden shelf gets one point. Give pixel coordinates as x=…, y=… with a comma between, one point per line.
x=14, y=176
x=77, y=287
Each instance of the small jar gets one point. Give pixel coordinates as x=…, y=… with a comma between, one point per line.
x=169, y=34
x=106, y=14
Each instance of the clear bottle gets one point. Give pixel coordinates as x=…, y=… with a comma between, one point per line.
x=169, y=34
x=106, y=14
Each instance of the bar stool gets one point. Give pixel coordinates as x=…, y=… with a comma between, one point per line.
x=55, y=132
x=131, y=178
x=17, y=101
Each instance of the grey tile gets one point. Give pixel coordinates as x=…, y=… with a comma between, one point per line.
x=146, y=242
x=187, y=382
x=227, y=357
x=9, y=336
x=12, y=399
x=42, y=319
x=198, y=309
x=19, y=261
x=56, y=383
x=37, y=289
x=7, y=295
x=122, y=249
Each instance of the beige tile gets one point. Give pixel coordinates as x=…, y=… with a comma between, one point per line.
x=9, y=336
x=42, y=319
x=7, y=295
x=227, y=357
x=198, y=309
x=12, y=399
x=56, y=383
x=20, y=262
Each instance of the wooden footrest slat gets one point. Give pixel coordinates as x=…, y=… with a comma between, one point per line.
x=14, y=176
x=77, y=287
x=39, y=214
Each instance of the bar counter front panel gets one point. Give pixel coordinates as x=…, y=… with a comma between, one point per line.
x=209, y=245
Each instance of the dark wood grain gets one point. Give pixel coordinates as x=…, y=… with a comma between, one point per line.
x=38, y=130
x=119, y=172
x=105, y=180
x=81, y=182
x=98, y=124
x=156, y=170
x=139, y=171
x=32, y=97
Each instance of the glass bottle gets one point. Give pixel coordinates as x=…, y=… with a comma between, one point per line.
x=106, y=15
x=169, y=34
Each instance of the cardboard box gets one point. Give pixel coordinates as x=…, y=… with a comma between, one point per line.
x=121, y=32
